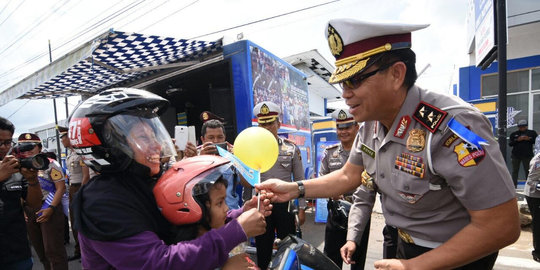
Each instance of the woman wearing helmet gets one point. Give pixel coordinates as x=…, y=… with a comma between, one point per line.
x=118, y=134
x=191, y=195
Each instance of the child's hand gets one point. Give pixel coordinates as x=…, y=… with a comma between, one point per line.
x=265, y=207
x=252, y=222
x=240, y=261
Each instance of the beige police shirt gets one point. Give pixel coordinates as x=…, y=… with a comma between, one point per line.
x=74, y=165
x=428, y=201
x=288, y=166
x=334, y=157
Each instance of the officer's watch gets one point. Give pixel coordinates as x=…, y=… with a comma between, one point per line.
x=52, y=207
x=301, y=189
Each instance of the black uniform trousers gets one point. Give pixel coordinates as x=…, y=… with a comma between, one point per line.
x=280, y=222
x=336, y=237
x=408, y=251
x=534, y=207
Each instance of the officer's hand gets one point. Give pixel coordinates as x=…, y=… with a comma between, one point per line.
x=45, y=215
x=282, y=191
x=302, y=216
x=239, y=261
x=8, y=166
x=347, y=252
x=265, y=206
x=390, y=264
x=191, y=150
x=252, y=222
x=208, y=148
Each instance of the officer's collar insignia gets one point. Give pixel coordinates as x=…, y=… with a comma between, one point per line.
x=402, y=127
x=265, y=109
x=342, y=115
x=467, y=155
x=367, y=150
x=416, y=140
x=335, y=42
x=429, y=116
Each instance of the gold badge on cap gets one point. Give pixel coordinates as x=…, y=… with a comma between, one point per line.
x=342, y=115
x=265, y=109
x=334, y=41
x=416, y=140
x=27, y=136
x=205, y=116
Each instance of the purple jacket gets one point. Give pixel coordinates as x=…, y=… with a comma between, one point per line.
x=146, y=251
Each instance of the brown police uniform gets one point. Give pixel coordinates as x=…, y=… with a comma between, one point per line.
x=428, y=176
x=47, y=238
x=75, y=166
x=288, y=167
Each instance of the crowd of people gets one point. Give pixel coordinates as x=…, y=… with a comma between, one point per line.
x=136, y=202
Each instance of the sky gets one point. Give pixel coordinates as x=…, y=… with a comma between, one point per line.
x=26, y=27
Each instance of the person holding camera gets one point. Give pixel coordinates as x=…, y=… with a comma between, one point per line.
x=532, y=195
x=16, y=184
x=46, y=225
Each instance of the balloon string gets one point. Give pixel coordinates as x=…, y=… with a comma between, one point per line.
x=259, y=194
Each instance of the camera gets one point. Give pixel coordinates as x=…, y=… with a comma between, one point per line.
x=223, y=145
x=37, y=162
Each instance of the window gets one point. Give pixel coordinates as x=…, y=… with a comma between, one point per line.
x=535, y=79
x=517, y=81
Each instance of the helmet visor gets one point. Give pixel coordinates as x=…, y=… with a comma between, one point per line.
x=144, y=140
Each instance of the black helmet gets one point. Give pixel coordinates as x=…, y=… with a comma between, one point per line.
x=100, y=129
x=338, y=213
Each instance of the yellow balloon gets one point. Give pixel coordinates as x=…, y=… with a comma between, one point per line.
x=257, y=148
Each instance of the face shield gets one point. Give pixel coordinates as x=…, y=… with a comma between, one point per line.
x=141, y=138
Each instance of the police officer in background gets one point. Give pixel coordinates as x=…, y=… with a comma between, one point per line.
x=532, y=195
x=433, y=158
x=334, y=157
x=79, y=174
x=288, y=167
x=522, y=142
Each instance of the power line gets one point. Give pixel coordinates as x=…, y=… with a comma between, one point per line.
x=158, y=21
x=2, y=11
x=20, y=3
x=18, y=109
x=265, y=19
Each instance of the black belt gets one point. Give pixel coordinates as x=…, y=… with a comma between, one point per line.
x=74, y=184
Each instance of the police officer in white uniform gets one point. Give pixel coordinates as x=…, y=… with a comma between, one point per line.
x=334, y=157
x=288, y=167
x=432, y=157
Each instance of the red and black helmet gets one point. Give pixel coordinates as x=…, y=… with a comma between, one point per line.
x=99, y=127
x=177, y=189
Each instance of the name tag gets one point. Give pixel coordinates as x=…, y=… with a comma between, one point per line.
x=367, y=150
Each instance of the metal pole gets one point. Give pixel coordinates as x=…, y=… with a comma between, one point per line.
x=58, y=149
x=501, y=58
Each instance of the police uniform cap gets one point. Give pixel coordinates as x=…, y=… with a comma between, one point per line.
x=207, y=115
x=62, y=131
x=343, y=118
x=29, y=138
x=356, y=45
x=266, y=112
x=522, y=123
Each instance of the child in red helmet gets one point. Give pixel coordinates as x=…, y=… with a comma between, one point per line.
x=192, y=196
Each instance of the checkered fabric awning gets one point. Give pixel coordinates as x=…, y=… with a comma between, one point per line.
x=107, y=61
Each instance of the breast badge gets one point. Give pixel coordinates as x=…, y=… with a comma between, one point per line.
x=416, y=140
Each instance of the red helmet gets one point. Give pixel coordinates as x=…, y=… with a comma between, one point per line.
x=177, y=188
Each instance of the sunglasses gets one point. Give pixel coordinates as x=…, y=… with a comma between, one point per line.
x=356, y=80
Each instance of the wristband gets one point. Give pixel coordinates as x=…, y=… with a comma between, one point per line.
x=301, y=189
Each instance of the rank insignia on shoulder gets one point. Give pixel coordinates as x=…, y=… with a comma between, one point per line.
x=402, y=127
x=468, y=155
x=367, y=181
x=55, y=174
x=416, y=140
x=429, y=116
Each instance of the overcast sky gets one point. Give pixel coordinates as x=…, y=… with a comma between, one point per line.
x=27, y=25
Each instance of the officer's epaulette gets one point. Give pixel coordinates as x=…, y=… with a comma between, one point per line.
x=429, y=116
